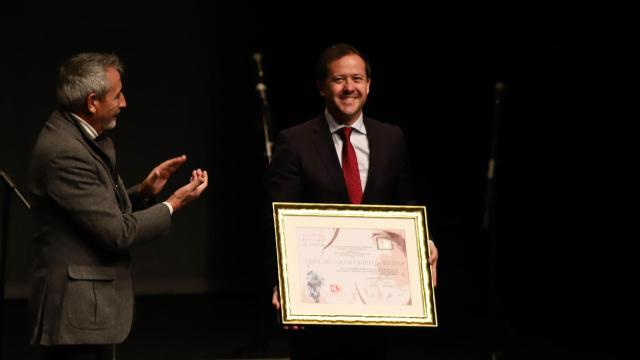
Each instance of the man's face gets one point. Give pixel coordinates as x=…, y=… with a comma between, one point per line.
x=346, y=88
x=108, y=107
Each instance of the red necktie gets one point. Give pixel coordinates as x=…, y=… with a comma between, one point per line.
x=350, y=167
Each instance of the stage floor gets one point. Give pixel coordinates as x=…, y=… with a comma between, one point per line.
x=201, y=327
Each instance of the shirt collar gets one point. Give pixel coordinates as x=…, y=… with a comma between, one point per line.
x=93, y=134
x=335, y=126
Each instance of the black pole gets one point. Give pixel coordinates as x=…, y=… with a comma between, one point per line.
x=4, y=226
x=264, y=333
x=6, y=206
x=6, y=184
x=261, y=88
x=488, y=221
x=496, y=321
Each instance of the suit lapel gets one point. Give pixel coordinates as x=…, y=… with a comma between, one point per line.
x=74, y=129
x=327, y=155
x=375, y=148
x=105, y=144
x=106, y=158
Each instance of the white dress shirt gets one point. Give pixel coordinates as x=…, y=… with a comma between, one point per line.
x=359, y=141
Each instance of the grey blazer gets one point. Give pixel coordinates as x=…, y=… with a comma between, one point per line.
x=84, y=224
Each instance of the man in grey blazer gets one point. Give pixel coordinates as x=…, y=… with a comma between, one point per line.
x=85, y=218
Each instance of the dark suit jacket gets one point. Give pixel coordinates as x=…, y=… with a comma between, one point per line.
x=84, y=225
x=305, y=166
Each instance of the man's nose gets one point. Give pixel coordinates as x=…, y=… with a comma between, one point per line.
x=123, y=101
x=349, y=85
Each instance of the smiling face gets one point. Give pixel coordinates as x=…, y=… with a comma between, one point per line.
x=345, y=88
x=105, y=110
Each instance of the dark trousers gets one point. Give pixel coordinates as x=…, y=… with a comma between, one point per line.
x=78, y=352
x=338, y=342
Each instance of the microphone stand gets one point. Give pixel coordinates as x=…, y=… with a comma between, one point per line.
x=5, y=184
x=489, y=228
x=488, y=221
x=261, y=88
x=264, y=333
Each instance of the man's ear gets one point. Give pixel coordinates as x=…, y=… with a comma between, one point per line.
x=320, y=88
x=91, y=103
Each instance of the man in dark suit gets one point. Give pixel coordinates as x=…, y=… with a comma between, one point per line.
x=86, y=220
x=341, y=157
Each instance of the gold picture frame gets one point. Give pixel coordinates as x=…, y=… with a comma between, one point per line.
x=354, y=265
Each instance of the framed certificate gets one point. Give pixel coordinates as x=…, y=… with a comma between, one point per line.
x=354, y=265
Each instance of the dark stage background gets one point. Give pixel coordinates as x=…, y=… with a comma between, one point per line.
x=562, y=177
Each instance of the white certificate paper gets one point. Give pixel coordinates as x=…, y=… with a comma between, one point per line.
x=353, y=266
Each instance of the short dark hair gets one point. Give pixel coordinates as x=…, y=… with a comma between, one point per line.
x=335, y=52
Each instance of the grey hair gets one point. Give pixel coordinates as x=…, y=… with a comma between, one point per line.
x=84, y=74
